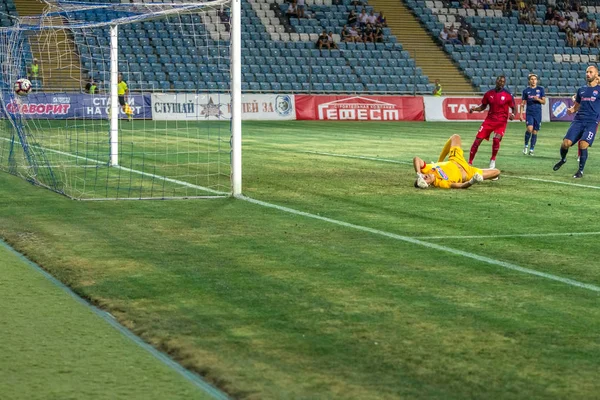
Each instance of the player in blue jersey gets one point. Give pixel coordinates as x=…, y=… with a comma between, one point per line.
x=585, y=124
x=535, y=96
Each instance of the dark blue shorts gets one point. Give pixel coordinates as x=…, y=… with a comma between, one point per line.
x=582, y=130
x=535, y=121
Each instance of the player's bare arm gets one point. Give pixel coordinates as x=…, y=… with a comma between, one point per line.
x=418, y=164
x=479, y=108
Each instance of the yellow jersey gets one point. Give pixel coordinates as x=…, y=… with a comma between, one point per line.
x=121, y=88
x=448, y=172
x=445, y=173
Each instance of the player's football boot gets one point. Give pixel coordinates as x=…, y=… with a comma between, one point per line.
x=530, y=152
x=525, y=150
x=578, y=175
x=492, y=163
x=558, y=165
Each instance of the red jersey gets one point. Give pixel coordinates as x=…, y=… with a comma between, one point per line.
x=499, y=103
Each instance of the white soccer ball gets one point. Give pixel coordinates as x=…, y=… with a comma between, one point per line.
x=22, y=87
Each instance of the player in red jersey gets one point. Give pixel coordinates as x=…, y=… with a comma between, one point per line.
x=499, y=100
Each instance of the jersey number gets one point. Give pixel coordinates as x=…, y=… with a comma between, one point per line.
x=590, y=135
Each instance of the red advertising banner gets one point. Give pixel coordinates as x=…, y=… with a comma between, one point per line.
x=457, y=108
x=359, y=108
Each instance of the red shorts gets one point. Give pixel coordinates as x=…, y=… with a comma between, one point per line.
x=488, y=127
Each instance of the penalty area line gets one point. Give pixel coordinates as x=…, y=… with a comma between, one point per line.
x=434, y=246
x=357, y=157
x=516, y=235
x=551, y=181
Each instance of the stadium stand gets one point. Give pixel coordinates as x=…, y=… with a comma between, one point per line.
x=60, y=67
x=277, y=55
x=8, y=12
x=507, y=46
x=427, y=53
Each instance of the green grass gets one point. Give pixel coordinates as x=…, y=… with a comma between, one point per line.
x=53, y=347
x=267, y=304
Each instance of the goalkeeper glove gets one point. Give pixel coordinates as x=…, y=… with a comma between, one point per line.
x=421, y=181
x=477, y=178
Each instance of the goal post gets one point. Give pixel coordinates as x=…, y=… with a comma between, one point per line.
x=176, y=135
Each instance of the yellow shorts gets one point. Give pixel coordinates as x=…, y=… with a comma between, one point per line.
x=457, y=156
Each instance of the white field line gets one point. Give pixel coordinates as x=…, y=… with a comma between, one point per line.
x=450, y=250
x=357, y=157
x=182, y=183
x=526, y=235
x=551, y=181
x=410, y=163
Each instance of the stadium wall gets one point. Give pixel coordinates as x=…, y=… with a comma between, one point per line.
x=457, y=109
x=265, y=107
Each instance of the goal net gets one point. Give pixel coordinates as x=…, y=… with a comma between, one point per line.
x=128, y=101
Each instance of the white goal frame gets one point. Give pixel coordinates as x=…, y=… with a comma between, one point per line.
x=235, y=74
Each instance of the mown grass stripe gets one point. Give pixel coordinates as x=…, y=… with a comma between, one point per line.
x=196, y=380
x=473, y=256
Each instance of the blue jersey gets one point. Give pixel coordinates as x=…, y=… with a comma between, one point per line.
x=534, y=108
x=589, y=99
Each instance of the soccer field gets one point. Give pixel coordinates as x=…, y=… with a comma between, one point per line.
x=337, y=278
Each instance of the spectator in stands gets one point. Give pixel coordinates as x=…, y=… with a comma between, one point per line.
x=532, y=16
x=579, y=39
x=572, y=24
x=372, y=18
x=550, y=17
x=345, y=34
x=323, y=41
x=363, y=18
x=499, y=5
x=352, y=18
x=464, y=35
x=300, y=6
x=453, y=35
x=292, y=10
x=332, y=43
x=523, y=16
x=592, y=35
x=225, y=20
x=571, y=41
x=510, y=5
x=584, y=25
x=381, y=20
x=561, y=22
x=378, y=35
x=368, y=33
x=354, y=36
x=444, y=36
x=34, y=70
x=357, y=3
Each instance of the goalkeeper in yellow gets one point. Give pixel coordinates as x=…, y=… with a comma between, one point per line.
x=123, y=92
x=456, y=173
